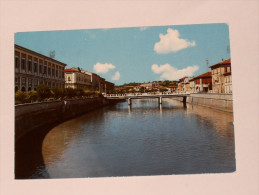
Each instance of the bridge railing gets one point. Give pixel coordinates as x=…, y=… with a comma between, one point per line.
x=145, y=94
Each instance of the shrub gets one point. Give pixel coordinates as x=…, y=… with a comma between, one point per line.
x=31, y=96
x=57, y=92
x=69, y=92
x=88, y=93
x=79, y=92
x=43, y=92
x=20, y=97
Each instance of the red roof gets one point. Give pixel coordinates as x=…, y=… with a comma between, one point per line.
x=70, y=70
x=225, y=62
x=182, y=79
x=205, y=75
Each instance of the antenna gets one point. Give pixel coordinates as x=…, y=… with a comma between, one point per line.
x=228, y=49
x=207, y=62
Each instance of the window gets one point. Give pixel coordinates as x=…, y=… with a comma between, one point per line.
x=17, y=64
x=35, y=67
x=23, y=64
x=16, y=80
x=45, y=70
x=23, y=80
x=35, y=82
x=49, y=71
x=62, y=75
x=53, y=72
x=29, y=66
x=56, y=73
x=40, y=68
x=68, y=78
x=29, y=81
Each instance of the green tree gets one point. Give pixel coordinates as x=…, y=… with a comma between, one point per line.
x=69, y=92
x=31, y=96
x=142, y=89
x=57, y=92
x=79, y=92
x=20, y=97
x=43, y=92
x=163, y=89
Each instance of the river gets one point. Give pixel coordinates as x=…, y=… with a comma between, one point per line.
x=138, y=140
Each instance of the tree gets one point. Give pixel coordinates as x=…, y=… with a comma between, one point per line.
x=142, y=89
x=43, y=92
x=69, y=92
x=79, y=92
x=57, y=92
x=31, y=96
x=20, y=97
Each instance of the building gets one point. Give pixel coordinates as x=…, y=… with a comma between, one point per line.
x=95, y=81
x=33, y=69
x=76, y=78
x=184, y=85
x=228, y=82
x=79, y=78
x=172, y=88
x=101, y=84
x=109, y=87
x=201, y=83
x=221, y=77
x=150, y=86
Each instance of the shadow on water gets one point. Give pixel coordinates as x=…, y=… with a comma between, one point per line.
x=28, y=154
x=29, y=161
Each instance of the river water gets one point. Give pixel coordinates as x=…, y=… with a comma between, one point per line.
x=142, y=139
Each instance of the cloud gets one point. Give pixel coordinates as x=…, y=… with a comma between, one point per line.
x=171, y=73
x=142, y=28
x=171, y=42
x=103, y=68
x=117, y=76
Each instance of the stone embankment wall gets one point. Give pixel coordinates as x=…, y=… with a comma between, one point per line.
x=222, y=102
x=34, y=116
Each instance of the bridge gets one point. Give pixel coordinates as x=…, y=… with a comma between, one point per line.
x=159, y=96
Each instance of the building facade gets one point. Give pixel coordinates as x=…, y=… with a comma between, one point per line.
x=150, y=86
x=201, y=83
x=184, y=85
x=109, y=87
x=33, y=69
x=172, y=88
x=79, y=78
x=221, y=77
x=75, y=78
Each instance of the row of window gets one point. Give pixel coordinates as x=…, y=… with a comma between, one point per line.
x=42, y=70
x=228, y=79
x=79, y=79
x=221, y=70
x=36, y=81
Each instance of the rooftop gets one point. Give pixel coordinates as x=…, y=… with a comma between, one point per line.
x=224, y=62
x=205, y=75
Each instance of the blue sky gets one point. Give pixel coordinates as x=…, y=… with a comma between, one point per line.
x=136, y=54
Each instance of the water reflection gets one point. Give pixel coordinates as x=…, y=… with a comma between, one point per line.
x=144, y=138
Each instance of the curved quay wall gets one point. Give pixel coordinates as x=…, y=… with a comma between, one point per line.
x=222, y=102
x=29, y=117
